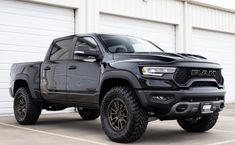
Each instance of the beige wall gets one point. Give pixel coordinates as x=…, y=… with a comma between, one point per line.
x=185, y=14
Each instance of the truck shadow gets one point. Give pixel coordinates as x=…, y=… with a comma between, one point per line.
x=72, y=124
x=169, y=136
x=154, y=133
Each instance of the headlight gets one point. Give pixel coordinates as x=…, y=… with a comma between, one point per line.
x=157, y=71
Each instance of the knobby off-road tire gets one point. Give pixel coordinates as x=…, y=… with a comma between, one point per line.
x=200, y=124
x=122, y=117
x=25, y=110
x=89, y=114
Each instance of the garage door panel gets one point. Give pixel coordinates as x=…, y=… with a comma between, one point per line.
x=36, y=10
x=38, y=14
x=24, y=39
x=138, y=27
x=6, y=111
x=18, y=48
x=3, y=86
x=5, y=105
x=5, y=99
x=26, y=32
x=162, y=35
x=220, y=48
x=5, y=66
x=37, y=7
x=35, y=22
x=5, y=75
x=32, y=31
x=6, y=102
x=213, y=36
x=16, y=57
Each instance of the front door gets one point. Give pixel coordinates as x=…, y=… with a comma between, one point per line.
x=83, y=75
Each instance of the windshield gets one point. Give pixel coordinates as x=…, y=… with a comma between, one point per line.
x=128, y=44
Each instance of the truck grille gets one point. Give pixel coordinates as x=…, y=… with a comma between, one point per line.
x=183, y=75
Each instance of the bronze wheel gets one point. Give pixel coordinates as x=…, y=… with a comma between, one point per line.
x=117, y=114
x=25, y=109
x=122, y=117
x=21, y=106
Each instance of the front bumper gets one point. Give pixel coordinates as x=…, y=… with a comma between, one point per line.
x=163, y=102
x=192, y=109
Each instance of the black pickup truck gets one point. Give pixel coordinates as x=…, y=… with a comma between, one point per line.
x=127, y=80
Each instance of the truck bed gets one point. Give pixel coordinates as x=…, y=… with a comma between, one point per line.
x=29, y=71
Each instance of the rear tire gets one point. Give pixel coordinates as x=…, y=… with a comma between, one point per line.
x=26, y=111
x=89, y=114
x=200, y=124
x=122, y=117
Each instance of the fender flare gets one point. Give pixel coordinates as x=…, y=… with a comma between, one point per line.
x=26, y=78
x=120, y=74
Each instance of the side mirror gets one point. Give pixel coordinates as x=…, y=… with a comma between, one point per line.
x=86, y=51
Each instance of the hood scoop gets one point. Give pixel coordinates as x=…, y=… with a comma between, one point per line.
x=193, y=56
x=147, y=57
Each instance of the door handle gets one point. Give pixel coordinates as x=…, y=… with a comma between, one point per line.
x=47, y=68
x=72, y=67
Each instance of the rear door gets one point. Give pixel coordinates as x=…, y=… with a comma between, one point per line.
x=53, y=79
x=83, y=75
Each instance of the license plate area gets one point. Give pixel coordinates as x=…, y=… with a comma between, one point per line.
x=206, y=108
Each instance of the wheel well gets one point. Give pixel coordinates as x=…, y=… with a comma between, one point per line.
x=18, y=84
x=110, y=83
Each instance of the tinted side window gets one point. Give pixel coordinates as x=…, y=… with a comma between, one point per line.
x=87, y=42
x=61, y=49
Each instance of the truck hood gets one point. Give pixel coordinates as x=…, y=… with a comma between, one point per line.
x=163, y=58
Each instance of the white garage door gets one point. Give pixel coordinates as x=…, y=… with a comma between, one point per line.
x=220, y=48
x=26, y=31
x=162, y=35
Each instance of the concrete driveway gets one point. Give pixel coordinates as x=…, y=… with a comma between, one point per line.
x=70, y=129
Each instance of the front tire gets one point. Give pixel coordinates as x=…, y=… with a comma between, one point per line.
x=122, y=117
x=89, y=114
x=25, y=110
x=199, y=124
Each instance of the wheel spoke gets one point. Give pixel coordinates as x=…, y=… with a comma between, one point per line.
x=120, y=123
x=118, y=105
x=121, y=107
x=115, y=121
x=21, y=106
x=114, y=118
x=118, y=113
x=123, y=120
x=24, y=111
x=115, y=111
x=115, y=104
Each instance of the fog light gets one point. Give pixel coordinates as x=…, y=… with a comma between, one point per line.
x=181, y=108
